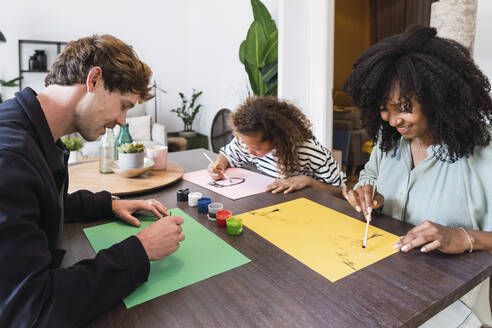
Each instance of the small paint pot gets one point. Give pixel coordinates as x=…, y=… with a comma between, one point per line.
x=213, y=208
x=234, y=226
x=182, y=195
x=193, y=198
x=222, y=216
x=203, y=205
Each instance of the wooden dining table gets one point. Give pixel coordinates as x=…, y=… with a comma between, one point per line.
x=276, y=290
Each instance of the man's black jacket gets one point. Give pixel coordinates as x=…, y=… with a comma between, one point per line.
x=34, y=290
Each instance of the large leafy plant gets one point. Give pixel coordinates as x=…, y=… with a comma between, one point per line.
x=259, y=52
x=188, y=109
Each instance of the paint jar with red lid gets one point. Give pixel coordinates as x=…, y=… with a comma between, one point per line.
x=222, y=216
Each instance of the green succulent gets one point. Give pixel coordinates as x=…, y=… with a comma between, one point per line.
x=130, y=148
x=73, y=144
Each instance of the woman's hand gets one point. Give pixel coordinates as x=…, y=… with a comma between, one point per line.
x=123, y=209
x=290, y=184
x=362, y=199
x=435, y=236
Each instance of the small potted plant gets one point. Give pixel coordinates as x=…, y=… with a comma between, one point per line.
x=131, y=156
x=74, y=145
x=187, y=113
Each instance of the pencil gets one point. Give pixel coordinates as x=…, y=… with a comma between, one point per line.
x=212, y=162
x=364, y=242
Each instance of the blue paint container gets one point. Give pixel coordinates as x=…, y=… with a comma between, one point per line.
x=203, y=205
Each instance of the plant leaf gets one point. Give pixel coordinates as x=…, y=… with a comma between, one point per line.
x=10, y=83
x=271, y=48
x=251, y=70
x=242, y=52
x=262, y=16
x=270, y=77
x=255, y=44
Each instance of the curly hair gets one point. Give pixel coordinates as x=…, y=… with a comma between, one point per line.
x=121, y=68
x=277, y=121
x=440, y=74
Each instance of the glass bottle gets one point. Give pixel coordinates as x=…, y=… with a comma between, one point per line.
x=123, y=137
x=106, y=151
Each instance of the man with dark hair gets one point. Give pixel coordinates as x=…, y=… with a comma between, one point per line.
x=92, y=84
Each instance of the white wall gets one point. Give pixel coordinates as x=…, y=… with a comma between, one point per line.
x=306, y=39
x=187, y=43
x=483, y=41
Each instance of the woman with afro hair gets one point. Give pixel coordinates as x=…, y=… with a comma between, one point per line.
x=275, y=137
x=428, y=108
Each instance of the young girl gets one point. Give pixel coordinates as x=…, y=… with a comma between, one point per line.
x=275, y=137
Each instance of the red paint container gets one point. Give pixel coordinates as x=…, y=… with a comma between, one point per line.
x=222, y=216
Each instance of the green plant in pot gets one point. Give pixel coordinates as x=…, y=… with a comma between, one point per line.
x=131, y=155
x=187, y=112
x=74, y=145
x=10, y=83
x=259, y=52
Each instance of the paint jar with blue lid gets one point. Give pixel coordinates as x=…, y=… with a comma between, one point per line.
x=203, y=205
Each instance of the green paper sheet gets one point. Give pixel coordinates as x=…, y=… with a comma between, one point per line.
x=184, y=267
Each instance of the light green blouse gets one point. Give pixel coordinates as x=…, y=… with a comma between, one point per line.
x=455, y=194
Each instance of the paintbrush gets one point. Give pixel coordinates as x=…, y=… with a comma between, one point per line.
x=212, y=162
x=364, y=242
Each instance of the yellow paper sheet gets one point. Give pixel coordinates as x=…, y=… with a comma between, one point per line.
x=325, y=240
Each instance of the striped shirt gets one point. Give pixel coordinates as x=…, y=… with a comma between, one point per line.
x=314, y=160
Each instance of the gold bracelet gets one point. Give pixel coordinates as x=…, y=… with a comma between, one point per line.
x=469, y=239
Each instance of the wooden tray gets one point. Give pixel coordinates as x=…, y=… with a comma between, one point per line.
x=87, y=176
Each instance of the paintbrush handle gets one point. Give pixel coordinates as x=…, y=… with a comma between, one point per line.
x=364, y=242
x=212, y=162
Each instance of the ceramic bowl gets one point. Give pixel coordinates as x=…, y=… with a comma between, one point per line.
x=131, y=173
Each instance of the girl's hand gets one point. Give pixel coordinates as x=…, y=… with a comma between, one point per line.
x=362, y=199
x=216, y=170
x=435, y=236
x=289, y=184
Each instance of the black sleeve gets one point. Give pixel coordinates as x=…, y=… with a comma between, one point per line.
x=84, y=205
x=33, y=294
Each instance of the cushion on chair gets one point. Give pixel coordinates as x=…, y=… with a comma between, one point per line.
x=139, y=127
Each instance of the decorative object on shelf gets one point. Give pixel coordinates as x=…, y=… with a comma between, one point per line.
x=38, y=61
x=2, y=37
x=187, y=112
x=259, y=52
x=131, y=156
x=10, y=83
x=107, y=151
x=74, y=145
x=123, y=138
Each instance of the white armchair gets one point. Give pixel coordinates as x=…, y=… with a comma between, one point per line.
x=141, y=129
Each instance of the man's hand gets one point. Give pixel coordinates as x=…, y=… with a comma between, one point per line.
x=162, y=237
x=123, y=209
x=290, y=184
x=434, y=236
